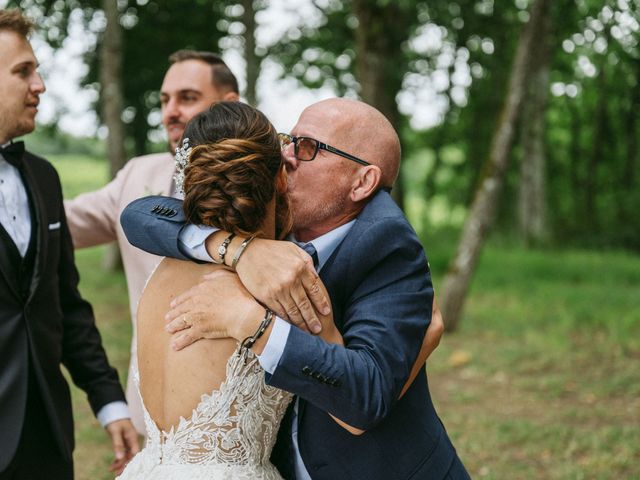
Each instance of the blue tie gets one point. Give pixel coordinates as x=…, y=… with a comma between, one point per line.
x=311, y=250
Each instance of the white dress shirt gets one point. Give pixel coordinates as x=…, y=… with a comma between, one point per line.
x=15, y=217
x=193, y=237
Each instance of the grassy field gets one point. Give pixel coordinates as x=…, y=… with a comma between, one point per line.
x=542, y=381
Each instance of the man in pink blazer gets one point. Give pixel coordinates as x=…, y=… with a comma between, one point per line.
x=193, y=82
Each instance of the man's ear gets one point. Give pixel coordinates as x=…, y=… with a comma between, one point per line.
x=366, y=183
x=231, y=97
x=281, y=181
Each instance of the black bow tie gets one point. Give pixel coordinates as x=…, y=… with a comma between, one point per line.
x=13, y=153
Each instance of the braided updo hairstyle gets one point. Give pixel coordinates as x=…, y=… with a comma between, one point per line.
x=232, y=170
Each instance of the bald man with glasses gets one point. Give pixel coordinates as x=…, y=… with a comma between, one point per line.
x=381, y=295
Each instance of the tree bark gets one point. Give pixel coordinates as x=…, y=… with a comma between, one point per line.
x=430, y=183
x=484, y=206
x=575, y=154
x=112, y=103
x=251, y=59
x=632, y=154
x=597, y=151
x=380, y=34
x=532, y=193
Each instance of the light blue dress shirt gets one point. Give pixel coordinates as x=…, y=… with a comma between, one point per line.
x=192, y=240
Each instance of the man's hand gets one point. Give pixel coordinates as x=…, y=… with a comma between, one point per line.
x=218, y=307
x=281, y=276
x=124, y=438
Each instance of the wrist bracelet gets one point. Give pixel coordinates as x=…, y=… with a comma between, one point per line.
x=248, y=342
x=222, y=249
x=240, y=250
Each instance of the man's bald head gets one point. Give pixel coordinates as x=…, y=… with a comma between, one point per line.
x=363, y=131
x=332, y=189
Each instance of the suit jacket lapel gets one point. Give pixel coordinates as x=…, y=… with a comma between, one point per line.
x=334, y=272
x=333, y=276
x=39, y=222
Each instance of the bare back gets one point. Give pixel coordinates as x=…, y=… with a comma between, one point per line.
x=172, y=383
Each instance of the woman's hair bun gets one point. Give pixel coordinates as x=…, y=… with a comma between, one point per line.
x=232, y=170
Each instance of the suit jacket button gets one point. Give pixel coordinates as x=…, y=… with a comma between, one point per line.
x=155, y=209
x=306, y=370
x=335, y=382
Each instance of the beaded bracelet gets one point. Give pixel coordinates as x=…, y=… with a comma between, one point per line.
x=222, y=249
x=248, y=342
x=240, y=250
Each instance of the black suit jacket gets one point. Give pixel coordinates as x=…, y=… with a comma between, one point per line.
x=44, y=322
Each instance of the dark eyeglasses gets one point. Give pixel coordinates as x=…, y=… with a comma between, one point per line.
x=306, y=148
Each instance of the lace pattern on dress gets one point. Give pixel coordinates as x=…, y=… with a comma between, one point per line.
x=234, y=426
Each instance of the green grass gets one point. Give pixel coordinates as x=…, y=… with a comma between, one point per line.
x=542, y=380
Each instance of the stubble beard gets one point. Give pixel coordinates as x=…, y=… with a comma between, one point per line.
x=314, y=215
x=21, y=127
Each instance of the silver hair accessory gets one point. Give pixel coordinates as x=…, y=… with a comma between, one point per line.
x=182, y=160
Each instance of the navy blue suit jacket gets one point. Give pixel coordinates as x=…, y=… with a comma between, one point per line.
x=380, y=287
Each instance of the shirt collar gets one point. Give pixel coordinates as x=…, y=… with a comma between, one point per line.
x=327, y=243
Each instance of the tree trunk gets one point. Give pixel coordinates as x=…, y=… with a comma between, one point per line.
x=111, y=98
x=378, y=49
x=626, y=211
x=575, y=154
x=632, y=156
x=597, y=152
x=252, y=60
x=484, y=206
x=532, y=193
x=430, y=184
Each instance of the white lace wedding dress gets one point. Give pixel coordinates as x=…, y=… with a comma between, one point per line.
x=229, y=435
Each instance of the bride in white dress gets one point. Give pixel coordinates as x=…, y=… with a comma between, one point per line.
x=208, y=412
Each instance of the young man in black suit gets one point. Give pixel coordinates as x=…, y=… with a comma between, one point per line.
x=43, y=319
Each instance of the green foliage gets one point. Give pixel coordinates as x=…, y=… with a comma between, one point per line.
x=152, y=31
x=80, y=173
x=47, y=140
x=591, y=138
x=322, y=52
x=593, y=127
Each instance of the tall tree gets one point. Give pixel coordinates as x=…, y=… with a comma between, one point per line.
x=382, y=29
x=250, y=56
x=482, y=212
x=532, y=189
x=112, y=103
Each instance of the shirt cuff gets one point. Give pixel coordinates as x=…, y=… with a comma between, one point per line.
x=275, y=346
x=113, y=411
x=191, y=240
